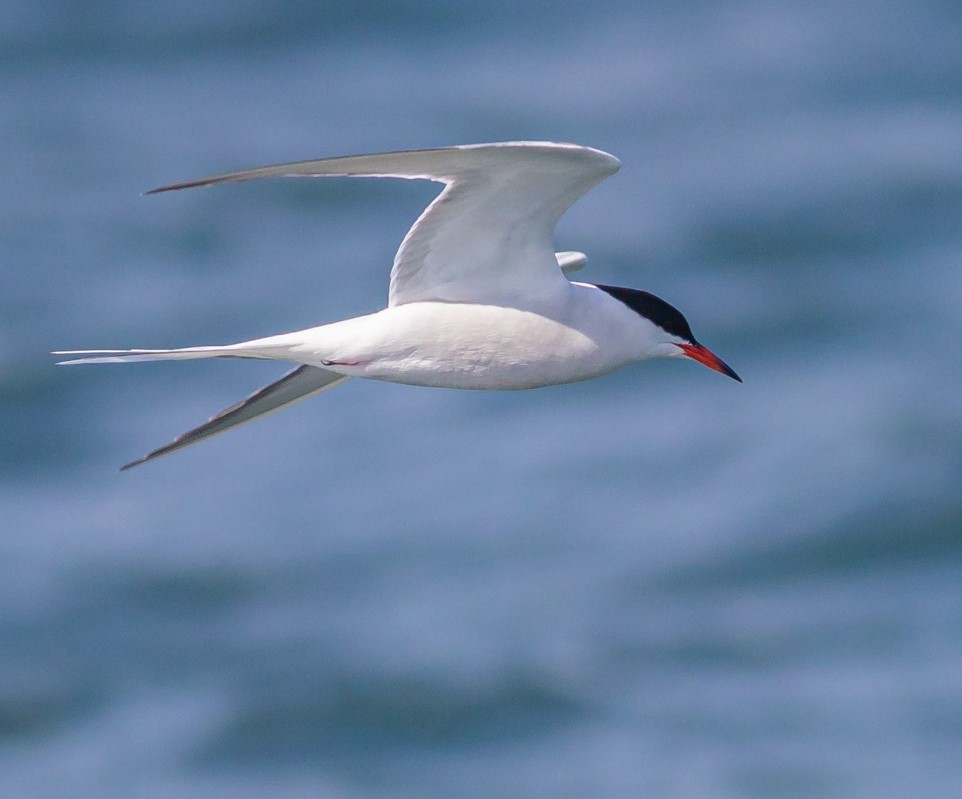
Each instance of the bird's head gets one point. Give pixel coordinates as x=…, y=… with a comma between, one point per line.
x=673, y=337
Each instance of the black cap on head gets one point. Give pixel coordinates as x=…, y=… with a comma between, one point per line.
x=673, y=322
x=666, y=316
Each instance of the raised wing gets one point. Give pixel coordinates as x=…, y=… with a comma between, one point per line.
x=487, y=236
x=296, y=385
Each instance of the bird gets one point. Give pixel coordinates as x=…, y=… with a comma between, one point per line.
x=478, y=298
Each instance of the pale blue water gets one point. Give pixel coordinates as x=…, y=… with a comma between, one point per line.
x=657, y=584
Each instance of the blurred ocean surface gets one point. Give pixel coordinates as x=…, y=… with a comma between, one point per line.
x=660, y=583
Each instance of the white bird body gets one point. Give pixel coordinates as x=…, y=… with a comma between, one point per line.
x=478, y=298
x=582, y=334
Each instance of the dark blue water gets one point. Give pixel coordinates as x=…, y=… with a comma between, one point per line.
x=656, y=584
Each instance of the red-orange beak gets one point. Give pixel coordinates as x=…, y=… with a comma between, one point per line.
x=704, y=355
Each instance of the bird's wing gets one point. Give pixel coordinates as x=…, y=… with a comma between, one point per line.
x=571, y=261
x=301, y=383
x=487, y=235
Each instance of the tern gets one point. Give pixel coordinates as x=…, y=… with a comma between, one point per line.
x=478, y=298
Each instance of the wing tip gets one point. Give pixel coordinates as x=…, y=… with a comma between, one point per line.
x=173, y=446
x=187, y=184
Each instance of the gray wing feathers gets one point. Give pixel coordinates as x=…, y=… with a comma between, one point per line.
x=487, y=236
x=301, y=383
x=442, y=164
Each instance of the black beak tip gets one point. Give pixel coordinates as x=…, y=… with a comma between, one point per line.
x=731, y=373
x=719, y=365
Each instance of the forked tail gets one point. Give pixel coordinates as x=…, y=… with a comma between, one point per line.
x=180, y=354
x=299, y=384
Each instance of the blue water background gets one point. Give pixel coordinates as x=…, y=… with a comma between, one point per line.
x=657, y=584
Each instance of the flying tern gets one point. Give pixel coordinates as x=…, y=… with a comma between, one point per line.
x=478, y=297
